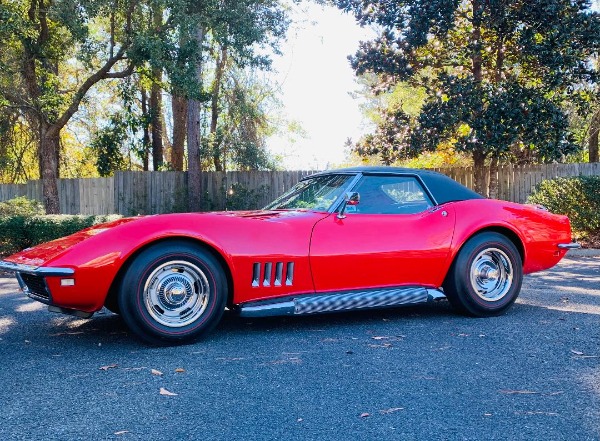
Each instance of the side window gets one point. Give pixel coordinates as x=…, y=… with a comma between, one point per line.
x=391, y=195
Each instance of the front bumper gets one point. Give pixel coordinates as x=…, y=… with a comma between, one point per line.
x=32, y=279
x=42, y=271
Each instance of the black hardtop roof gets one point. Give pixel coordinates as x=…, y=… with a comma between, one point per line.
x=441, y=187
x=378, y=169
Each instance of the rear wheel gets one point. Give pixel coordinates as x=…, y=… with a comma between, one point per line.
x=173, y=292
x=485, y=278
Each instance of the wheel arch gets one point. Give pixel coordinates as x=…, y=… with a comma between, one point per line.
x=503, y=230
x=113, y=291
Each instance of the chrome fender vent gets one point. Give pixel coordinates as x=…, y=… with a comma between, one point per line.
x=272, y=274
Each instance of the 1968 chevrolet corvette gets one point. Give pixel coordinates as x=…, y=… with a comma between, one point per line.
x=345, y=239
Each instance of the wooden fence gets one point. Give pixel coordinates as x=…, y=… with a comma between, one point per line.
x=516, y=183
x=131, y=193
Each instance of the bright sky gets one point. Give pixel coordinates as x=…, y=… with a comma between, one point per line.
x=316, y=81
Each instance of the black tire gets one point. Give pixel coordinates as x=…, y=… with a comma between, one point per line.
x=112, y=304
x=485, y=278
x=173, y=292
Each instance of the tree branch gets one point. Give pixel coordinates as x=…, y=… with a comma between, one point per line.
x=101, y=74
x=121, y=74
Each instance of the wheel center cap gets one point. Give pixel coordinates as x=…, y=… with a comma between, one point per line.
x=175, y=292
x=488, y=273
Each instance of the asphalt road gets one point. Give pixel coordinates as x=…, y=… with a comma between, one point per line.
x=409, y=373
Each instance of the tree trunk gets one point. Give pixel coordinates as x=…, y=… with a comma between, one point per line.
x=49, y=147
x=477, y=70
x=193, y=133
x=479, y=172
x=493, y=193
x=476, y=57
x=593, y=138
x=156, y=120
x=146, y=132
x=179, y=108
x=214, y=109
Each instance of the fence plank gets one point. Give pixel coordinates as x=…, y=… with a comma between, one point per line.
x=131, y=193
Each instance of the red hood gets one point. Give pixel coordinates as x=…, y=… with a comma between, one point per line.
x=46, y=252
x=40, y=254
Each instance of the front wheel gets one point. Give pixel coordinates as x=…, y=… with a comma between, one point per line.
x=173, y=292
x=485, y=278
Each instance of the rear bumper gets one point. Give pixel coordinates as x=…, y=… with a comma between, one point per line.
x=569, y=246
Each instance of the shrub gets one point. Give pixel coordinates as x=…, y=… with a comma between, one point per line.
x=12, y=234
x=19, y=232
x=577, y=197
x=21, y=206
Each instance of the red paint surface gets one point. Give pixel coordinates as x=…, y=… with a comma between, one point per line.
x=361, y=251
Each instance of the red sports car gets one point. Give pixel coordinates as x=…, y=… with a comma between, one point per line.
x=356, y=238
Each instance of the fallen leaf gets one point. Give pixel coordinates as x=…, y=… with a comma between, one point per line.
x=365, y=415
x=391, y=410
x=155, y=372
x=121, y=432
x=180, y=370
x=537, y=412
x=164, y=391
x=107, y=367
x=518, y=392
x=66, y=333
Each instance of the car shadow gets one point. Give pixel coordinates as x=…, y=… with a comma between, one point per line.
x=106, y=328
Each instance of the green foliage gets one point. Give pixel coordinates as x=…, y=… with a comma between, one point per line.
x=20, y=231
x=107, y=144
x=515, y=122
x=13, y=236
x=496, y=73
x=577, y=197
x=21, y=206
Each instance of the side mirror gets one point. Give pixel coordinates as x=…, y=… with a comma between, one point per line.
x=350, y=198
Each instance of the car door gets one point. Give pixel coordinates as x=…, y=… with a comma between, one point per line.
x=395, y=236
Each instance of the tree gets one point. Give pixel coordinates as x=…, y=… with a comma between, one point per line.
x=241, y=26
x=496, y=73
x=44, y=34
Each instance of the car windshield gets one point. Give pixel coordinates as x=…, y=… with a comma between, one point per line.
x=317, y=193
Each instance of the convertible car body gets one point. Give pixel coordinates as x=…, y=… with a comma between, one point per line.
x=345, y=239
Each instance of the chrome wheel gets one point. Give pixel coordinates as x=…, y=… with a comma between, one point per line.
x=491, y=274
x=176, y=293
